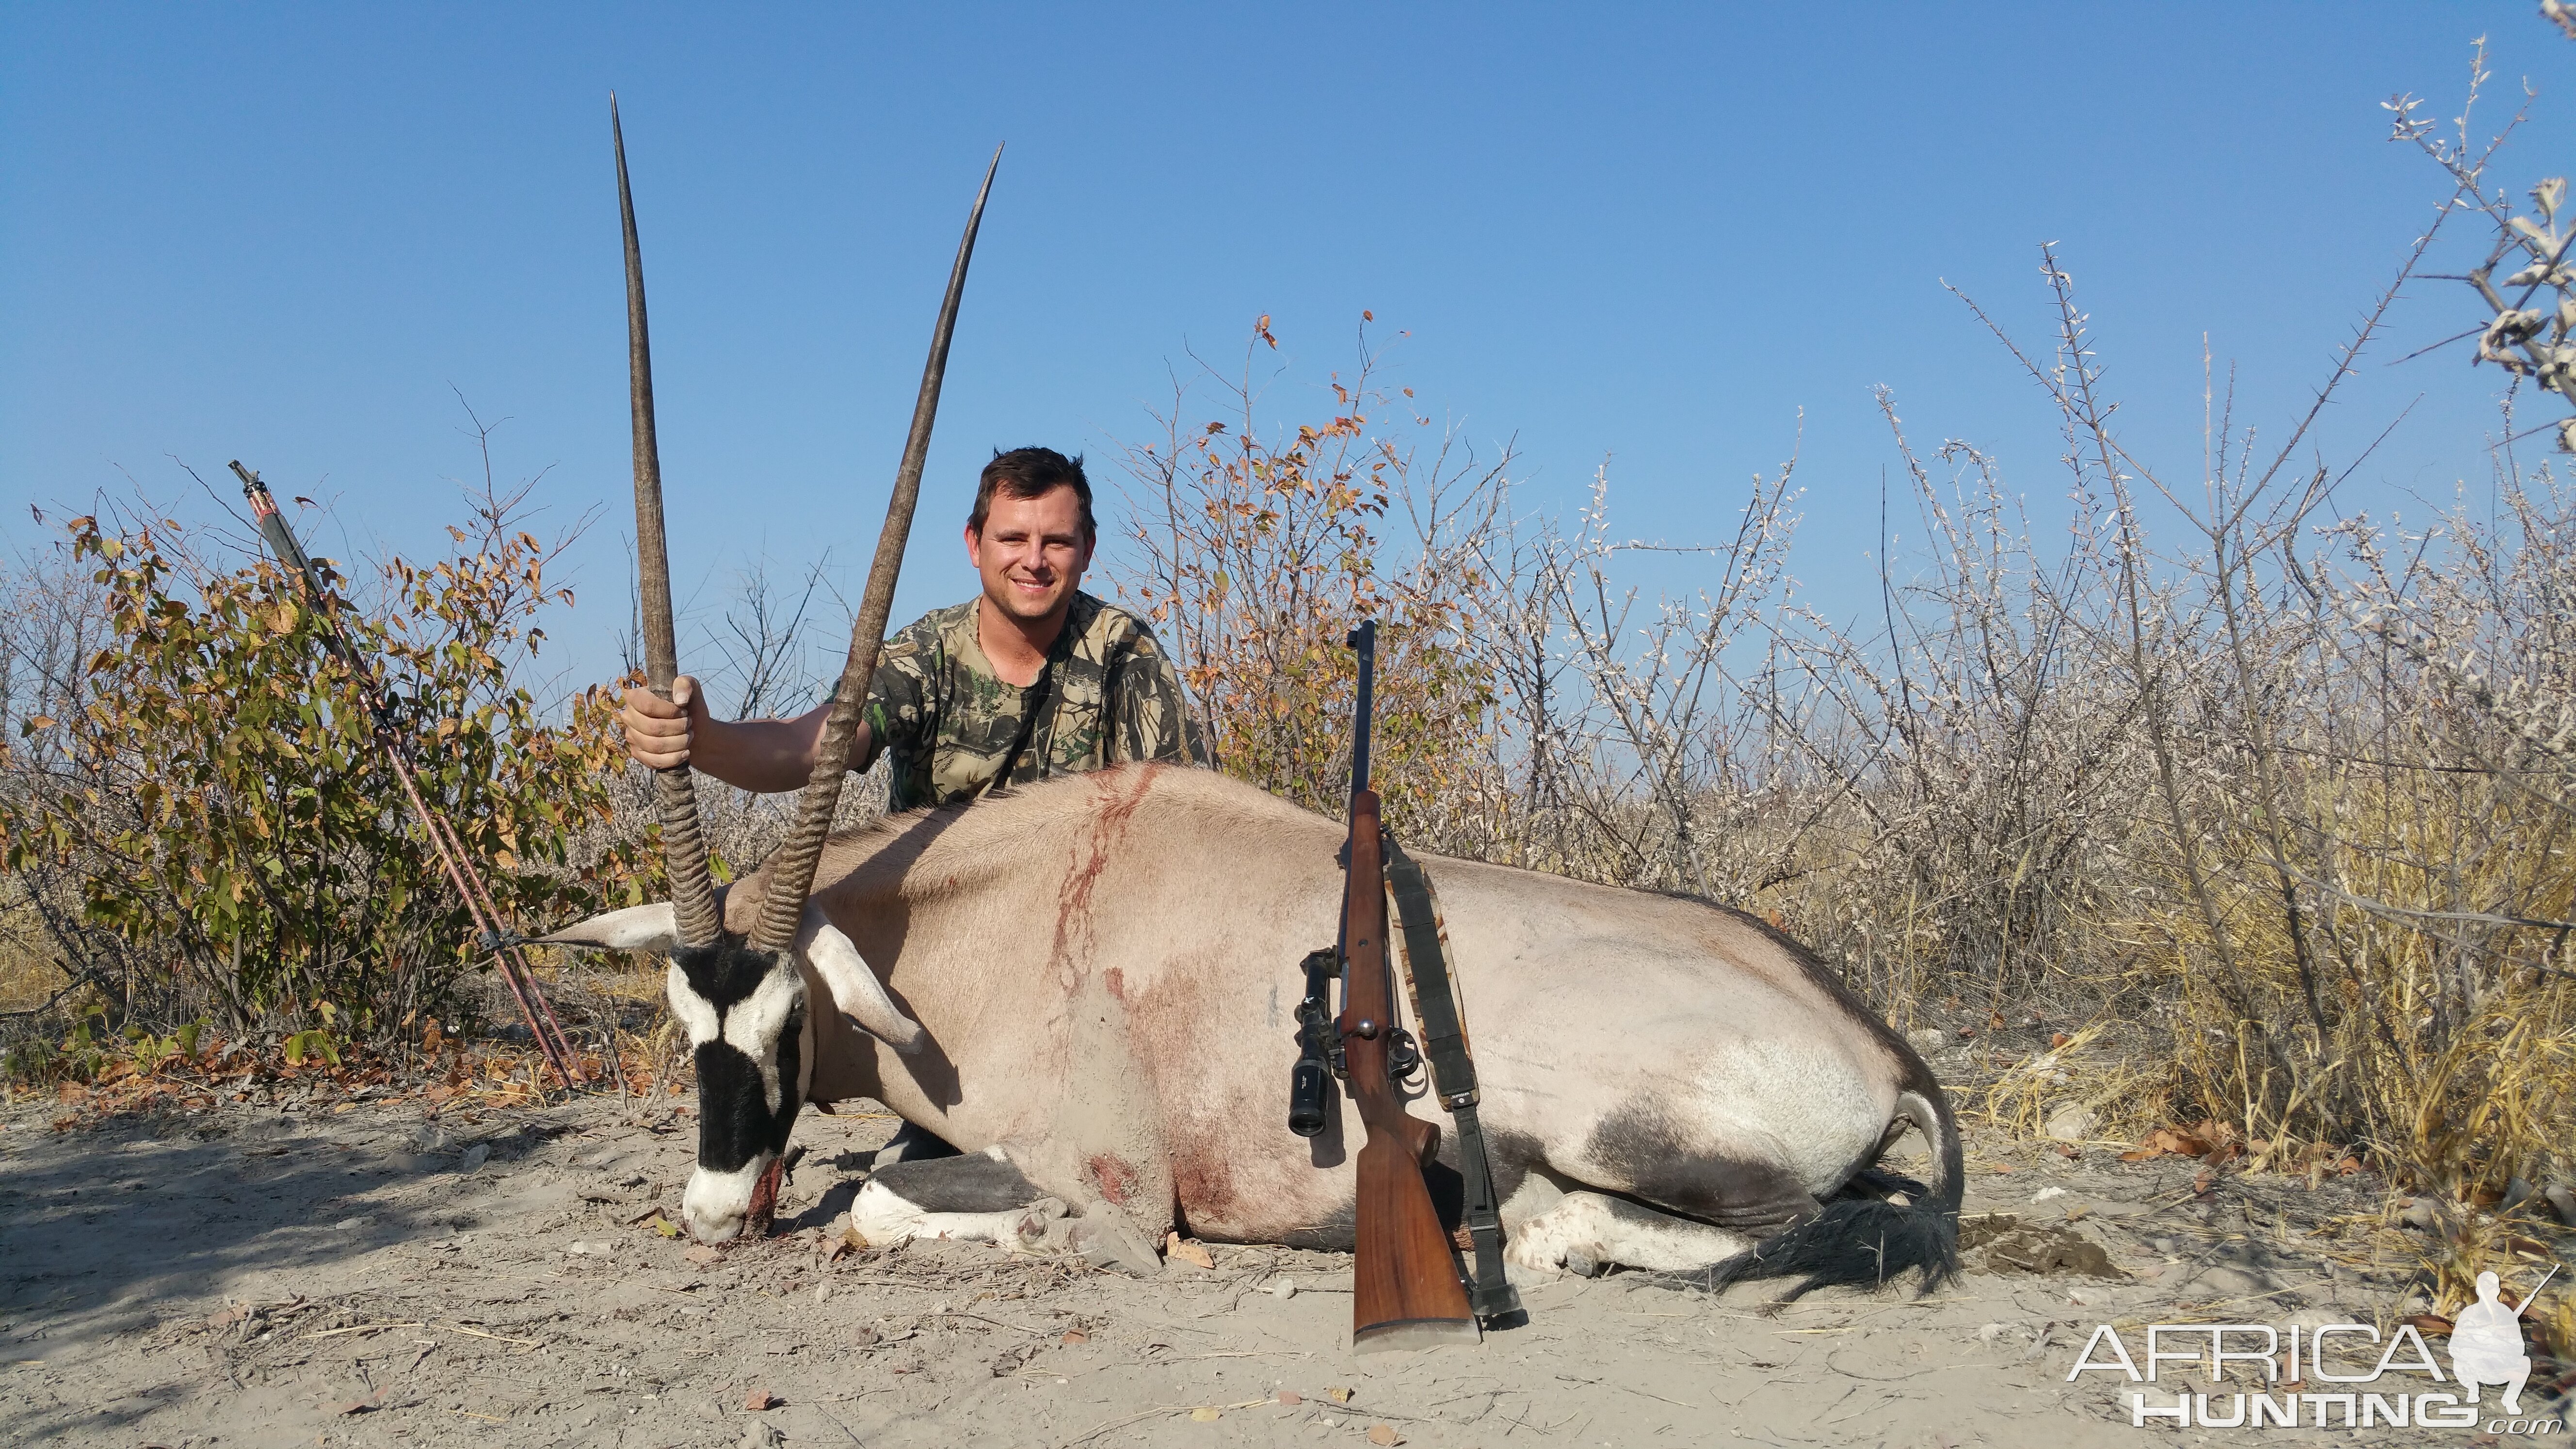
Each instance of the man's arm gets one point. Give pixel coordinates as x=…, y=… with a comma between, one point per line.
x=764, y=756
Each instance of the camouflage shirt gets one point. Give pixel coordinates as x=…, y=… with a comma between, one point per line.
x=1111, y=696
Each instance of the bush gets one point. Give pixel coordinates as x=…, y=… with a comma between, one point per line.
x=204, y=818
x=1259, y=555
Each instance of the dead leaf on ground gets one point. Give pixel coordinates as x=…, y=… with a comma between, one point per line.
x=1204, y=1415
x=1074, y=1335
x=1338, y=1396
x=1384, y=1434
x=761, y=1401
x=1291, y=1398
x=703, y=1256
x=1188, y=1250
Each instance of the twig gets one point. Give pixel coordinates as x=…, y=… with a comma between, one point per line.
x=362, y=1328
x=75, y=984
x=1130, y=1419
x=495, y=1337
x=996, y=1322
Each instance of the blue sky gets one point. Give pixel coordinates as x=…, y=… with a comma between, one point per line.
x=1650, y=235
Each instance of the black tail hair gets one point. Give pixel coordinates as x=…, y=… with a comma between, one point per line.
x=1866, y=1240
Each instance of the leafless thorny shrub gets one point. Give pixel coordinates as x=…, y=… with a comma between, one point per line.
x=2284, y=805
x=2533, y=334
x=53, y=621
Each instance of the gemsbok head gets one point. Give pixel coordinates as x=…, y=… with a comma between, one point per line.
x=745, y=998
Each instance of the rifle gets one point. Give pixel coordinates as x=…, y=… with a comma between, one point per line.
x=506, y=954
x=1407, y=1291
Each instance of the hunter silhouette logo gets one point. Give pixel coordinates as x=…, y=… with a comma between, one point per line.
x=2286, y=1367
x=2486, y=1343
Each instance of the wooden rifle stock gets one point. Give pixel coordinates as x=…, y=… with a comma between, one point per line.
x=1405, y=1287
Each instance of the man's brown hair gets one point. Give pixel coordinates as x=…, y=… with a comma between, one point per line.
x=1031, y=473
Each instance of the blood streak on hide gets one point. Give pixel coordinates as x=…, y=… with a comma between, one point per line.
x=1203, y=1180
x=1091, y=856
x=1115, y=1178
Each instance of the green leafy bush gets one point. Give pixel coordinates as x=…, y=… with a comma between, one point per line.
x=213, y=798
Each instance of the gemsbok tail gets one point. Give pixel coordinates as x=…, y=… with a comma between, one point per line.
x=1867, y=1239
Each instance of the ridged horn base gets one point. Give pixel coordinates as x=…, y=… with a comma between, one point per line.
x=684, y=858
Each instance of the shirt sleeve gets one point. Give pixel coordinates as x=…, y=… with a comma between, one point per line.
x=900, y=713
x=1149, y=714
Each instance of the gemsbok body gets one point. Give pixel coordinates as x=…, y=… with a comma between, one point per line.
x=1095, y=980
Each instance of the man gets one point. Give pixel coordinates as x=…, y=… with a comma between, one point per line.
x=1035, y=678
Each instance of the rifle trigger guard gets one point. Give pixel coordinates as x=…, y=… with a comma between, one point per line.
x=1403, y=1054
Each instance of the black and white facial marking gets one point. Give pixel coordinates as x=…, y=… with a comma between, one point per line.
x=745, y=1013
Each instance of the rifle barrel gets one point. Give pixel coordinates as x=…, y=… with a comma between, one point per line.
x=1363, y=639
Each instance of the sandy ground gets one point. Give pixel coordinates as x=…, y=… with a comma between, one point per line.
x=367, y=1275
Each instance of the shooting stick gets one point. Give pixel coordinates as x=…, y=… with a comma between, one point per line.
x=506, y=956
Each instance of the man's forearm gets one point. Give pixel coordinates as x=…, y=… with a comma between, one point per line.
x=766, y=756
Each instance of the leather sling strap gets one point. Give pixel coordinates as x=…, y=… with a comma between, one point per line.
x=1039, y=699
x=1453, y=1073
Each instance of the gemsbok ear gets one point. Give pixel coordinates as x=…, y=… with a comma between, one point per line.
x=855, y=989
x=637, y=928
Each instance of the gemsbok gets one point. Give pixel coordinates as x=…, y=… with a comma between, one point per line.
x=1094, y=980
x=1088, y=986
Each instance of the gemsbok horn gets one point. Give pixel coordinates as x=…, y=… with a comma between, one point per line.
x=792, y=873
x=684, y=852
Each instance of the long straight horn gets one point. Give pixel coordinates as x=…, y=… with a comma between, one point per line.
x=793, y=873
x=684, y=851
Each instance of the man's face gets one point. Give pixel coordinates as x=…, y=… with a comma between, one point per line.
x=1031, y=555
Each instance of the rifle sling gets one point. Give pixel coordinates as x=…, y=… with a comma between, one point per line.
x=1453, y=1072
x=1038, y=700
